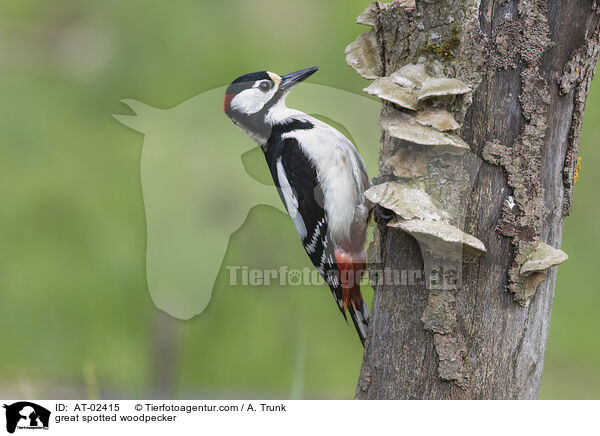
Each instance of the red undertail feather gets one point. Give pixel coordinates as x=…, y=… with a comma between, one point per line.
x=352, y=268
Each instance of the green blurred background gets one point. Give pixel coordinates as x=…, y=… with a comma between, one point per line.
x=75, y=312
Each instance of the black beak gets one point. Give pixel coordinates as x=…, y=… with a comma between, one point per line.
x=289, y=80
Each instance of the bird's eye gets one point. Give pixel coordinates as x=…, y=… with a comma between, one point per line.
x=265, y=86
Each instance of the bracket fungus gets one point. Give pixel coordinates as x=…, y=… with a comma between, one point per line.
x=406, y=163
x=543, y=257
x=363, y=55
x=410, y=75
x=439, y=119
x=405, y=201
x=386, y=89
x=368, y=16
x=421, y=124
x=533, y=270
x=443, y=240
x=425, y=85
x=405, y=87
x=439, y=87
x=419, y=217
x=403, y=126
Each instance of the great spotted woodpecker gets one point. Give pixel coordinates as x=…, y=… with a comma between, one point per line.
x=320, y=178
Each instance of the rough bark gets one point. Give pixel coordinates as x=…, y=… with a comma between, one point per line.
x=505, y=176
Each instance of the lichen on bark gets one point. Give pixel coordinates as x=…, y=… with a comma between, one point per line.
x=529, y=38
x=577, y=78
x=523, y=163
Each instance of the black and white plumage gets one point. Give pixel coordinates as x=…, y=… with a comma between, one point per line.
x=320, y=178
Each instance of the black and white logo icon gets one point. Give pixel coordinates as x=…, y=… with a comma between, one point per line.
x=26, y=415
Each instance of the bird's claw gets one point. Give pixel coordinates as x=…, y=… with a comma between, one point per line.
x=383, y=213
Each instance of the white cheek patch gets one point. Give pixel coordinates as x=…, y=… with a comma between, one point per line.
x=249, y=101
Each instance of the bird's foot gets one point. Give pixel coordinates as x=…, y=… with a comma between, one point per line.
x=383, y=213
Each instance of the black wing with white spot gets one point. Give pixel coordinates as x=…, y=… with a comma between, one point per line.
x=297, y=183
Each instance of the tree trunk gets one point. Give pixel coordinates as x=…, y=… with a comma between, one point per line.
x=482, y=108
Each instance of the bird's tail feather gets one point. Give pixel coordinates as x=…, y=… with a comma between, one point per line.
x=360, y=317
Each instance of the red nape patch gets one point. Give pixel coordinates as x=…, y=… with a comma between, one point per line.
x=228, y=98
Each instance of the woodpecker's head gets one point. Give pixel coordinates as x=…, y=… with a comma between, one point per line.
x=256, y=101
